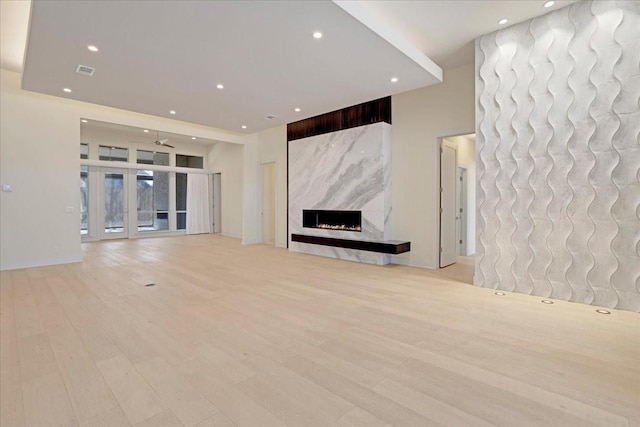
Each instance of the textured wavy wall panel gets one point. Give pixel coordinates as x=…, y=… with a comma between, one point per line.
x=558, y=155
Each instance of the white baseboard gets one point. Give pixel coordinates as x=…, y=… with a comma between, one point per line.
x=41, y=263
x=234, y=235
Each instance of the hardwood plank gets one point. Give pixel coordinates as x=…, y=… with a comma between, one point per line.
x=287, y=394
x=481, y=399
x=357, y=417
x=36, y=357
x=428, y=406
x=26, y=313
x=46, y=402
x=163, y=419
x=232, y=402
x=114, y=417
x=89, y=394
x=372, y=402
x=135, y=396
x=218, y=420
x=12, y=413
x=175, y=392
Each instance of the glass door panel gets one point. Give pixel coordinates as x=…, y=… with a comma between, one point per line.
x=84, y=200
x=153, y=200
x=115, y=203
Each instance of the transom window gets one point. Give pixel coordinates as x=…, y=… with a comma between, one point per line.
x=113, y=154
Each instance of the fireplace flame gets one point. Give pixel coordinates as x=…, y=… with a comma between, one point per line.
x=340, y=227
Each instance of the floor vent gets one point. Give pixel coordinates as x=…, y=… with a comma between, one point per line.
x=149, y=284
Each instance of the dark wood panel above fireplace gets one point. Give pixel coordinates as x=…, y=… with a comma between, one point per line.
x=366, y=113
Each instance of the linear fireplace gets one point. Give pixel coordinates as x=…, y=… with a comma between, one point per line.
x=332, y=220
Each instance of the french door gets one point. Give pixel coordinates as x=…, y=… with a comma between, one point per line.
x=113, y=210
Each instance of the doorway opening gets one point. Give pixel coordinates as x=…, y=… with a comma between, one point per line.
x=457, y=201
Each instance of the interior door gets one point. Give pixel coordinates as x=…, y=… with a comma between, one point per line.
x=268, y=202
x=217, y=200
x=448, y=246
x=114, y=201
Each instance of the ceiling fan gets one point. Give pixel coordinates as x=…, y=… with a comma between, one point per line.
x=162, y=142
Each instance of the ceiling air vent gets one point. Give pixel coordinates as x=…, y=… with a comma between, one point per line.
x=85, y=70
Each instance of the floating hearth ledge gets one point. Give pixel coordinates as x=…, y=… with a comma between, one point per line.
x=393, y=247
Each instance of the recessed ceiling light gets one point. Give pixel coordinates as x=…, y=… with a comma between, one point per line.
x=220, y=86
x=317, y=35
x=500, y=293
x=549, y=4
x=244, y=127
x=394, y=80
x=193, y=137
x=66, y=89
x=297, y=110
x=84, y=120
x=172, y=112
x=546, y=301
x=503, y=21
x=146, y=131
x=603, y=311
x=92, y=48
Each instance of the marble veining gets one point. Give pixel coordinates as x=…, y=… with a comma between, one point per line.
x=344, y=170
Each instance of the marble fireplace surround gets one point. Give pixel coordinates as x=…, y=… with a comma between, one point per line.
x=347, y=170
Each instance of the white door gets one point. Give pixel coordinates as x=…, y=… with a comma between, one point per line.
x=217, y=207
x=113, y=209
x=448, y=246
x=269, y=202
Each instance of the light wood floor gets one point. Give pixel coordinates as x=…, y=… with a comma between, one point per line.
x=257, y=336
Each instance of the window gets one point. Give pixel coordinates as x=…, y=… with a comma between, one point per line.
x=184, y=161
x=113, y=154
x=153, y=200
x=84, y=200
x=181, y=200
x=153, y=158
x=84, y=151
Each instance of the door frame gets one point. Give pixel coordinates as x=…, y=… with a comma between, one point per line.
x=436, y=147
x=461, y=209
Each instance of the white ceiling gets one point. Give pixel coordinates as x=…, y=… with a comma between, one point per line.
x=157, y=56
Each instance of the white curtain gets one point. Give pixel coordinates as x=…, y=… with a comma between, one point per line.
x=198, y=220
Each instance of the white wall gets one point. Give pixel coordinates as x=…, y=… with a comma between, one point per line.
x=39, y=143
x=419, y=118
x=228, y=160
